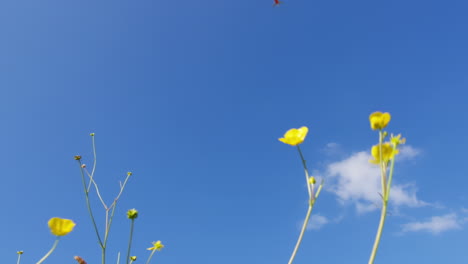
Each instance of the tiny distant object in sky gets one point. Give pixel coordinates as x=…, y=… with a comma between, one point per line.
x=277, y=2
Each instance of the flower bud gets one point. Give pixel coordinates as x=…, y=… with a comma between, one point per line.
x=132, y=213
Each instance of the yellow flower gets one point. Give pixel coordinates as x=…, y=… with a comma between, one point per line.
x=132, y=213
x=295, y=136
x=60, y=227
x=388, y=153
x=397, y=140
x=156, y=246
x=379, y=120
x=312, y=180
x=20, y=252
x=133, y=258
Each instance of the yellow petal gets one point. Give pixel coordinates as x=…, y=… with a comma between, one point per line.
x=388, y=153
x=379, y=120
x=295, y=136
x=60, y=227
x=156, y=246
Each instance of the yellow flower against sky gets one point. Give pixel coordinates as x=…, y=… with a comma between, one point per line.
x=156, y=246
x=295, y=136
x=379, y=120
x=388, y=153
x=60, y=227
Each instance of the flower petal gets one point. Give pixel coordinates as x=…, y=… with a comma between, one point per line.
x=60, y=227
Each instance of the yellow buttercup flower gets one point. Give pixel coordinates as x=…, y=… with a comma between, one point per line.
x=379, y=120
x=156, y=246
x=388, y=153
x=60, y=227
x=312, y=180
x=397, y=140
x=132, y=213
x=295, y=136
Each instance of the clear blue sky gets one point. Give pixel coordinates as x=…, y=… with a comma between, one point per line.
x=192, y=96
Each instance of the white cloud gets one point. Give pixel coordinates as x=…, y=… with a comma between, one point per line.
x=435, y=225
x=317, y=221
x=332, y=149
x=407, y=152
x=355, y=180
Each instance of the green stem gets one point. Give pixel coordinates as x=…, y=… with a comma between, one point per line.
x=312, y=200
x=19, y=258
x=50, y=251
x=103, y=255
x=299, y=240
x=306, y=171
x=379, y=232
x=386, y=187
x=149, y=258
x=88, y=204
x=130, y=241
x=382, y=164
x=390, y=178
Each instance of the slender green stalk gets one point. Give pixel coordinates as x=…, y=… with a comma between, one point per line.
x=383, y=175
x=103, y=255
x=299, y=240
x=149, y=258
x=305, y=170
x=118, y=258
x=379, y=232
x=88, y=204
x=312, y=200
x=386, y=187
x=130, y=240
x=50, y=251
x=390, y=178
x=19, y=259
x=108, y=220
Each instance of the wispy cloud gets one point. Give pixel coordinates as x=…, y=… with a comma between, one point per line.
x=435, y=225
x=317, y=221
x=332, y=149
x=407, y=152
x=354, y=180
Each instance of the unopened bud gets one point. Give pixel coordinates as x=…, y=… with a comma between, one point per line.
x=132, y=213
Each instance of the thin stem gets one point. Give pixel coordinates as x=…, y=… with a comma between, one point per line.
x=149, y=258
x=130, y=240
x=304, y=227
x=390, y=178
x=94, y=155
x=91, y=181
x=118, y=258
x=19, y=258
x=50, y=251
x=382, y=164
x=306, y=171
x=383, y=214
x=89, y=206
x=103, y=254
x=379, y=232
x=386, y=185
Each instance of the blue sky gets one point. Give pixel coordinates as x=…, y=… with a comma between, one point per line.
x=192, y=96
